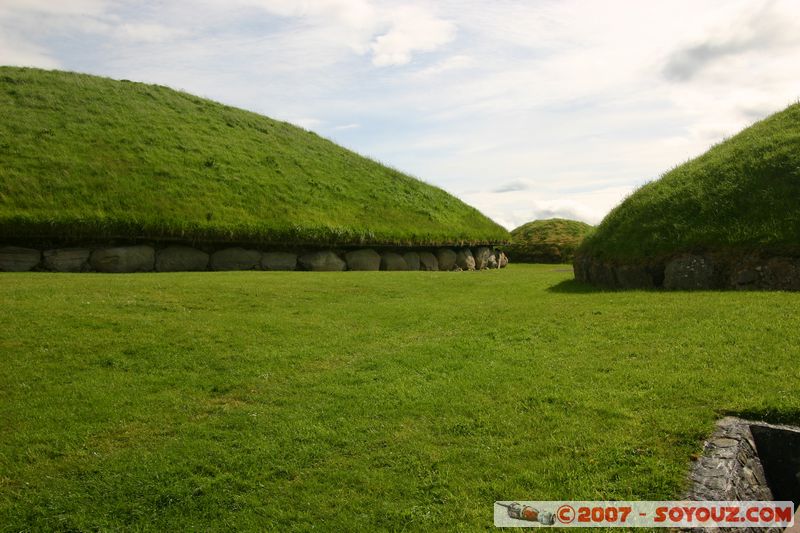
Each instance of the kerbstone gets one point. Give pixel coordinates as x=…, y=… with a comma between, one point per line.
x=464, y=259
x=393, y=261
x=16, y=259
x=602, y=274
x=502, y=260
x=481, y=256
x=181, y=259
x=123, y=259
x=782, y=273
x=446, y=258
x=322, y=261
x=366, y=259
x=279, y=261
x=428, y=262
x=688, y=272
x=67, y=259
x=633, y=277
x=235, y=259
x=412, y=260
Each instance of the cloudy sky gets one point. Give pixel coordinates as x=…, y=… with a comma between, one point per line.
x=524, y=109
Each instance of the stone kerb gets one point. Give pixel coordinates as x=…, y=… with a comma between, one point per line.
x=183, y=258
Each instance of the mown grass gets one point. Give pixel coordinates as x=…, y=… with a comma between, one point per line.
x=740, y=195
x=88, y=158
x=365, y=401
x=553, y=240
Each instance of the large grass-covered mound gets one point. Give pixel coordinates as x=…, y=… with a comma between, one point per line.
x=722, y=216
x=547, y=241
x=742, y=193
x=92, y=158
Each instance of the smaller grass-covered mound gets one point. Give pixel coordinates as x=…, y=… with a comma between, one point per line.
x=722, y=216
x=547, y=241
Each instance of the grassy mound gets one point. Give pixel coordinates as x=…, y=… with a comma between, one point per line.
x=547, y=241
x=741, y=195
x=89, y=157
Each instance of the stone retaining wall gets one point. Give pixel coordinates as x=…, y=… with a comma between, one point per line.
x=730, y=469
x=688, y=271
x=181, y=258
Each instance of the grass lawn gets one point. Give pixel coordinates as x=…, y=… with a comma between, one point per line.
x=365, y=400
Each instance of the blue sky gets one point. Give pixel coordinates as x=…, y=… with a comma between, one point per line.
x=524, y=109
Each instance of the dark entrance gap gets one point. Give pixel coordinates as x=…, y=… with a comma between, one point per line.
x=779, y=452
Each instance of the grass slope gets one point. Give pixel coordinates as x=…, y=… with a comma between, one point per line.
x=547, y=241
x=90, y=157
x=277, y=401
x=741, y=194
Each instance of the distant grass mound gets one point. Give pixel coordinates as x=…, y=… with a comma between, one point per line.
x=93, y=158
x=740, y=196
x=547, y=241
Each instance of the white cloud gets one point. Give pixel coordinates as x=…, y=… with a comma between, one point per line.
x=392, y=33
x=353, y=22
x=147, y=33
x=455, y=62
x=30, y=21
x=307, y=123
x=17, y=52
x=413, y=29
x=514, y=209
x=760, y=30
x=353, y=13
x=513, y=186
x=59, y=8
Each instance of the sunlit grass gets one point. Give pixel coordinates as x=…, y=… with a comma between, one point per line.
x=365, y=400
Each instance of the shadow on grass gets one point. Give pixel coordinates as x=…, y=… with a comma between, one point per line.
x=770, y=415
x=571, y=286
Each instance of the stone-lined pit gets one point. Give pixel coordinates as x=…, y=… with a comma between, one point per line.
x=746, y=460
x=779, y=451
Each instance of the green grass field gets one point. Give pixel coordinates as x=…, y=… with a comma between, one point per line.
x=92, y=159
x=740, y=196
x=365, y=401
